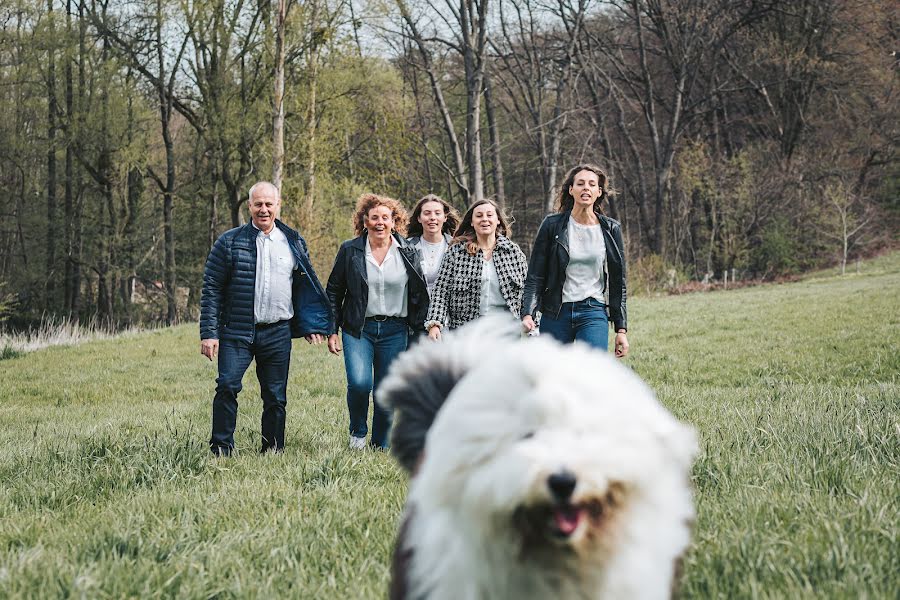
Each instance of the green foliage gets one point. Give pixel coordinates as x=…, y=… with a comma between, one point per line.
x=8, y=352
x=776, y=251
x=725, y=194
x=108, y=490
x=888, y=194
x=8, y=302
x=329, y=223
x=651, y=274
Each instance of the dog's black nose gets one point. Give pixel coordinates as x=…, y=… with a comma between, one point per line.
x=562, y=484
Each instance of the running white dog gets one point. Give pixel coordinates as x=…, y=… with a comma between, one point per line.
x=540, y=471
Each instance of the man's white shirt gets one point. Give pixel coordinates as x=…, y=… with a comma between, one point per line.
x=274, y=274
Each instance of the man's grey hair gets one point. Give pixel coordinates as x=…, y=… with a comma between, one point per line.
x=259, y=184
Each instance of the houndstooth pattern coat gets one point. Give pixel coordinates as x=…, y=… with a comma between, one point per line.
x=457, y=291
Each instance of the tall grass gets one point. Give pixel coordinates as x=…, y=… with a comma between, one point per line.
x=107, y=489
x=56, y=332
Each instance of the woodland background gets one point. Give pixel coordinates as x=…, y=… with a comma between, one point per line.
x=754, y=138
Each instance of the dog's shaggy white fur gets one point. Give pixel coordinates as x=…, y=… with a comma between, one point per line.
x=549, y=471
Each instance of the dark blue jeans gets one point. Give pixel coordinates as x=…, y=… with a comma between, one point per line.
x=367, y=359
x=585, y=321
x=271, y=348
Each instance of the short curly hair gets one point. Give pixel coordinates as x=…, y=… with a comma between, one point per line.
x=368, y=201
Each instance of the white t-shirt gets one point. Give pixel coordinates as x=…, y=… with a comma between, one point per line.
x=587, y=258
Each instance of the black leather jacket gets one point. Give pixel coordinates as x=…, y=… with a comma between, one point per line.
x=550, y=257
x=348, y=287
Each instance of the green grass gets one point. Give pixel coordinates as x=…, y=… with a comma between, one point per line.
x=106, y=489
x=7, y=352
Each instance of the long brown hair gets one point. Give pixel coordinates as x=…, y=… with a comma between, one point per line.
x=368, y=201
x=450, y=225
x=465, y=233
x=565, y=201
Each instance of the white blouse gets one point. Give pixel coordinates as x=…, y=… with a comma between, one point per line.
x=388, y=283
x=491, y=297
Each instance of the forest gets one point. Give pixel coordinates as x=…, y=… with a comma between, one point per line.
x=745, y=139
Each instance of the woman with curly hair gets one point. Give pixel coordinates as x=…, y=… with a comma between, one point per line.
x=430, y=229
x=482, y=272
x=576, y=277
x=377, y=292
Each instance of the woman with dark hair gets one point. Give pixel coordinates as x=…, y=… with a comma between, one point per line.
x=430, y=228
x=482, y=272
x=377, y=292
x=576, y=276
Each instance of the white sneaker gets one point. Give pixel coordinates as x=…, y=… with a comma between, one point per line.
x=357, y=443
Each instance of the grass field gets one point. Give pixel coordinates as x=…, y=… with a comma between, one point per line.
x=106, y=489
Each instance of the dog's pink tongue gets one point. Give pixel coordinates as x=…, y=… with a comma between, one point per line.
x=567, y=519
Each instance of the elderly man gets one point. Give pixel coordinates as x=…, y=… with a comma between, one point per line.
x=259, y=291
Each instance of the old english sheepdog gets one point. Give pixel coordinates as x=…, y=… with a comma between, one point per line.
x=538, y=471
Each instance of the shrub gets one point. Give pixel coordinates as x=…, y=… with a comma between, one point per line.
x=9, y=352
x=652, y=274
x=776, y=252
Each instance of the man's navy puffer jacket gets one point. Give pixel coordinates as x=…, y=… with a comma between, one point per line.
x=229, y=288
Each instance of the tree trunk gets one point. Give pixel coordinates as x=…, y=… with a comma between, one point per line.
x=165, y=114
x=135, y=188
x=235, y=200
x=52, y=124
x=472, y=19
x=312, y=68
x=311, y=116
x=278, y=95
x=77, y=247
x=494, y=132
x=103, y=174
x=213, y=222
x=71, y=263
x=111, y=260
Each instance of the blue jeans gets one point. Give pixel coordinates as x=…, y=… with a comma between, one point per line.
x=271, y=347
x=585, y=321
x=367, y=359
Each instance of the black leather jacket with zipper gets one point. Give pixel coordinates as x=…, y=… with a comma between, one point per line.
x=550, y=257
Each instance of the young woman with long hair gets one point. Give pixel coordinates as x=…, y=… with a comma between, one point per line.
x=576, y=276
x=431, y=228
x=482, y=272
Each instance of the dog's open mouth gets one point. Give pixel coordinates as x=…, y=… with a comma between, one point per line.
x=557, y=521
x=566, y=518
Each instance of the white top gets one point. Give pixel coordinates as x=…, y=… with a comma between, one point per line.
x=432, y=255
x=491, y=298
x=274, y=274
x=587, y=257
x=388, y=283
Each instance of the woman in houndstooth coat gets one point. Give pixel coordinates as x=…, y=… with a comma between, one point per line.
x=482, y=272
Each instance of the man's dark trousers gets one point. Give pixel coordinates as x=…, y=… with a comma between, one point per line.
x=271, y=347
